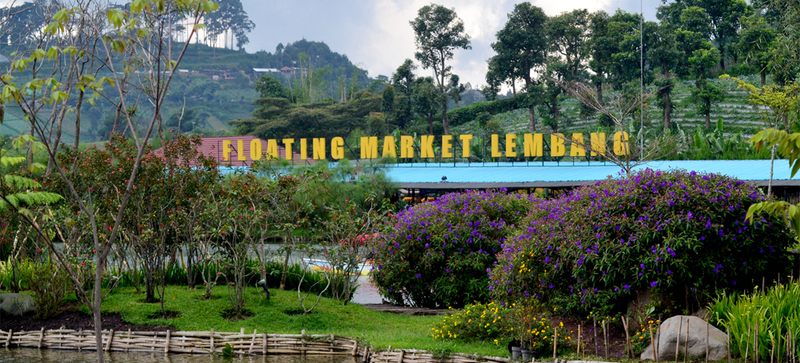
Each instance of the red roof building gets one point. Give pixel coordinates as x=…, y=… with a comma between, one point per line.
x=243, y=150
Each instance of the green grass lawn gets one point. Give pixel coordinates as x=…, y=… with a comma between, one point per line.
x=380, y=330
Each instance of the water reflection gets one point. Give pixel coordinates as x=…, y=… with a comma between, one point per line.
x=60, y=356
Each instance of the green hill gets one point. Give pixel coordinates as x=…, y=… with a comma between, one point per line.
x=737, y=115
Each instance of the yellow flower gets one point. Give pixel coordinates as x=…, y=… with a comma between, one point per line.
x=560, y=324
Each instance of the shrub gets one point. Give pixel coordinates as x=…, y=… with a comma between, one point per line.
x=677, y=237
x=477, y=322
x=49, y=286
x=771, y=318
x=535, y=330
x=436, y=254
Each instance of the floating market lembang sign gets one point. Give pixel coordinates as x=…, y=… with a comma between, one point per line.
x=407, y=147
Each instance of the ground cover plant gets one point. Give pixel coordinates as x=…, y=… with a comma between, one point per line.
x=279, y=315
x=677, y=237
x=436, y=254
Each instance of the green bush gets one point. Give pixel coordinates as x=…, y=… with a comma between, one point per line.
x=477, y=322
x=436, y=254
x=769, y=318
x=679, y=237
x=50, y=286
x=466, y=114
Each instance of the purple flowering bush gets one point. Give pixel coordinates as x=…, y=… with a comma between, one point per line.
x=437, y=254
x=680, y=237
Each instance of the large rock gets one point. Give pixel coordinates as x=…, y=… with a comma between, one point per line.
x=16, y=304
x=674, y=331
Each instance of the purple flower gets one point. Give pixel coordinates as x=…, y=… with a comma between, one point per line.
x=626, y=287
x=418, y=275
x=653, y=283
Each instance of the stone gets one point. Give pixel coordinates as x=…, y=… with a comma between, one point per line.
x=700, y=334
x=16, y=304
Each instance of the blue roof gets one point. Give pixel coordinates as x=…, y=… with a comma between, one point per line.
x=566, y=173
x=548, y=174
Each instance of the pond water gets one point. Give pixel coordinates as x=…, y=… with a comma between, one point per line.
x=61, y=356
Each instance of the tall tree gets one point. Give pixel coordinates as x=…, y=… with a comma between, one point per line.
x=664, y=54
x=426, y=100
x=521, y=49
x=755, y=41
x=438, y=33
x=701, y=64
x=568, y=35
x=724, y=17
x=403, y=82
x=230, y=18
x=601, y=49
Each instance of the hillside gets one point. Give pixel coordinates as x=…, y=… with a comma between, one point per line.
x=735, y=112
x=217, y=86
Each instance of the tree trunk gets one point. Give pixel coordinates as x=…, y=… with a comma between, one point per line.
x=430, y=124
x=285, y=265
x=667, y=110
x=190, y=278
x=532, y=116
x=149, y=287
x=444, y=114
x=97, y=297
x=708, y=119
x=599, y=90
x=763, y=77
x=786, y=122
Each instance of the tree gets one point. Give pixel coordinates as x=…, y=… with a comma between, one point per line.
x=755, y=40
x=454, y=89
x=521, y=48
x=426, y=100
x=724, y=20
x=601, y=48
x=403, y=82
x=438, y=32
x=230, y=17
x=568, y=35
x=79, y=42
x=705, y=92
x=664, y=55
x=268, y=86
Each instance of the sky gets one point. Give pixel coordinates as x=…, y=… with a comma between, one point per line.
x=376, y=35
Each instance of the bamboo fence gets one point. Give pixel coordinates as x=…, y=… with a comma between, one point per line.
x=418, y=356
x=184, y=342
x=214, y=342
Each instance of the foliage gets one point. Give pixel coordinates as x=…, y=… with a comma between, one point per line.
x=679, y=236
x=535, y=330
x=476, y=322
x=49, y=285
x=18, y=191
x=468, y=113
x=438, y=32
x=762, y=324
x=347, y=234
x=268, y=86
x=436, y=254
x=277, y=118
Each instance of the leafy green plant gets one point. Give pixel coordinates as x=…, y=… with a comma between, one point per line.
x=49, y=286
x=763, y=323
x=476, y=322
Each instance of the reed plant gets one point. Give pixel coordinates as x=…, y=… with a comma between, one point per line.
x=763, y=325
